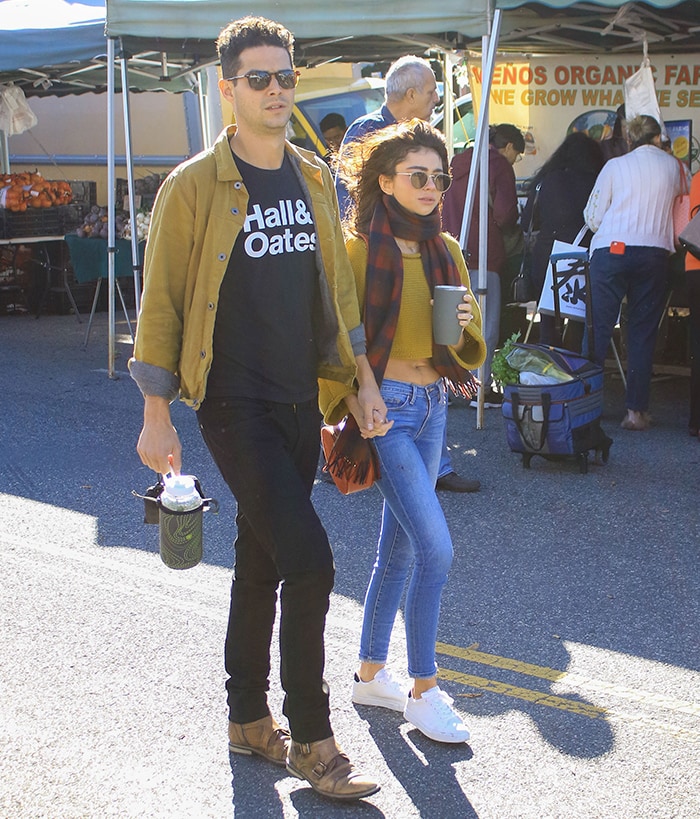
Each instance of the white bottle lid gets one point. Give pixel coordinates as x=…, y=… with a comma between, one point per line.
x=180, y=493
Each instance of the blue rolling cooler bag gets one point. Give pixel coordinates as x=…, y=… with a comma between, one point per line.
x=557, y=420
x=560, y=420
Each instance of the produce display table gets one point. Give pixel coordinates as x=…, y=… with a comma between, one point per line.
x=10, y=250
x=90, y=259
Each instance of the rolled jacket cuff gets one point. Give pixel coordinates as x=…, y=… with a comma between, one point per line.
x=154, y=380
x=358, y=340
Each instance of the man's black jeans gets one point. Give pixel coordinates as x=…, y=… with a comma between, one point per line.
x=268, y=455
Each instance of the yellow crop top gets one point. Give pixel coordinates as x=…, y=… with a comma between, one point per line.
x=414, y=333
x=413, y=338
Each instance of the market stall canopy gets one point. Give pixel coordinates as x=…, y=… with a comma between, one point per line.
x=308, y=19
x=604, y=26
x=58, y=47
x=48, y=33
x=367, y=30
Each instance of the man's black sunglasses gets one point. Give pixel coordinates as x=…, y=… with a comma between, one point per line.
x=260, y=80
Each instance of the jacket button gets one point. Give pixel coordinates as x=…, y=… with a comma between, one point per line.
x=210, y=305
x=237, y=185
x=222, y=257
x=234, y=211
x=202, y=354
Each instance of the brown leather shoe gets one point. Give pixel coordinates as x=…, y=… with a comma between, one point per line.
x=329, y=772
x=263, y=737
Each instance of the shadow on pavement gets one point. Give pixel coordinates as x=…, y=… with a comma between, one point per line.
x=425, y=769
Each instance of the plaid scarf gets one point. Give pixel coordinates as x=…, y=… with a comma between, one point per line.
x=384, y=283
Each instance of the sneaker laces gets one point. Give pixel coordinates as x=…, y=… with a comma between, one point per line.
x=385, y=677
x=441, y=702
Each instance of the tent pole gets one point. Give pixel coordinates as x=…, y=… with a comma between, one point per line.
x=482, y=127
x=111, y=214
x=483, y=160
x=202, y=94
x=448, y=102
x=480, y=164
x=126, y=102
x=4, y=153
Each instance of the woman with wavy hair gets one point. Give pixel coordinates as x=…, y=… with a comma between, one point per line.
x=557, y=195
x=396, y=178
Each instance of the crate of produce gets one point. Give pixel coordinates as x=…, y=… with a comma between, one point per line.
x=73, y=216
x=145, y=189
x=84, y=192
x=31, y=222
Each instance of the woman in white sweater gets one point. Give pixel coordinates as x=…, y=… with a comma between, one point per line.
x=630, y=212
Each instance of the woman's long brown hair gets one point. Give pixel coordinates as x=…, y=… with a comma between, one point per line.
x=362, y=162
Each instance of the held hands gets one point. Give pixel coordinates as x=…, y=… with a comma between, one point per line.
x=370, y=412
x=367, y=406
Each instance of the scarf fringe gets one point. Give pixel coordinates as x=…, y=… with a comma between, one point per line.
x=469, y=388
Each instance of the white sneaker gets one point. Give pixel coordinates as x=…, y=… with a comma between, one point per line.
x=384, y=690
x=434, y=716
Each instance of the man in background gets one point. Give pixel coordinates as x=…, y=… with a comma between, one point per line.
x=411, y=91
x=333, y=127
x=506, y=146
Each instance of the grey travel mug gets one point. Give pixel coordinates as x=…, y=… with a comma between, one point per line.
x=446, y=326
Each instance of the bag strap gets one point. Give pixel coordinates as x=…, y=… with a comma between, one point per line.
x=534, y=208
x=579, y=236
x=528, y=236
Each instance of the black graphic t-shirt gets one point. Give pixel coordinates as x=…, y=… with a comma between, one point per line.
x=263, y=336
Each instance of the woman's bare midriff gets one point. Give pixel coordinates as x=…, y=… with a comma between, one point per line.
x=412, y=371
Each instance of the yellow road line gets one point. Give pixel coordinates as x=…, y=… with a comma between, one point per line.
x=475, y=656
x=563, y=703
x=572, y=678
x=538, y=697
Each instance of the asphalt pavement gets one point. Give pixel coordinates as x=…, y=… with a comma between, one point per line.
x=569, y=638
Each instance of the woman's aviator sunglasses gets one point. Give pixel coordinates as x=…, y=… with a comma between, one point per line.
x=260, y=80
x=419, y=179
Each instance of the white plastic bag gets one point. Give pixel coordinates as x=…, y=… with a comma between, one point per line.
x=538, y=379
x=15, y=114
x=640, y=95
x=572, y=293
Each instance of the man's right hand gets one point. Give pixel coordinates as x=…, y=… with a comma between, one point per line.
x=159, y=445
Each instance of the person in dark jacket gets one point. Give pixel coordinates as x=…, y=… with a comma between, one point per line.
x=507, y=144
x=617, y=144
x=565, y=182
